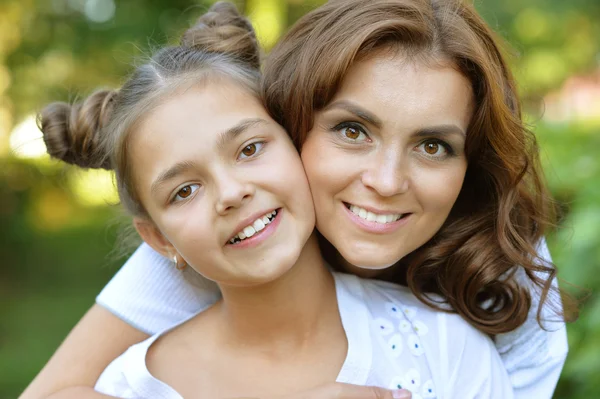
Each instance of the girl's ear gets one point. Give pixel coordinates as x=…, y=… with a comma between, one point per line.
x=153, y=237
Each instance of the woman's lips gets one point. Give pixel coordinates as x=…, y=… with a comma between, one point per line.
x=372, y=222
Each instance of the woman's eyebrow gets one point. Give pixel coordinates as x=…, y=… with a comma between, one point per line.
x=356, y=110
x=440, y=130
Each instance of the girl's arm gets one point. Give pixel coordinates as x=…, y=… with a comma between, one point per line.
x=147, y=295
x=534, y=357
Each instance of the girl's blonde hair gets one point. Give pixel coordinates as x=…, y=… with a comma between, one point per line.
x=95, y=132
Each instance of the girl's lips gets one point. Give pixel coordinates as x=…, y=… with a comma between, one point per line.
x=375, y=227
x=260, y=236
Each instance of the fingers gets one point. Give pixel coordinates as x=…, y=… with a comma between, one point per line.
x=401, y=394
x=348, y=391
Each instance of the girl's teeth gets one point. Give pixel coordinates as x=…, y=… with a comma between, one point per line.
x=258, y=225
x=249, y=231
x=381, y=219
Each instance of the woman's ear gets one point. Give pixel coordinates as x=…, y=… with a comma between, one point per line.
x=153, y=237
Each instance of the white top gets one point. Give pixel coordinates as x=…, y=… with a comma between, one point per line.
x=151, y=295
x=393, y=341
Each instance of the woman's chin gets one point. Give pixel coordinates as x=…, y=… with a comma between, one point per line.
x=366, y=264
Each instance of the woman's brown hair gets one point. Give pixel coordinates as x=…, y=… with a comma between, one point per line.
x=504, y=208
x=95, y=132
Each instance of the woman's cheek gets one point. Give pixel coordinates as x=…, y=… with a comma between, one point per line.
x=439, y=188
x=323, y=164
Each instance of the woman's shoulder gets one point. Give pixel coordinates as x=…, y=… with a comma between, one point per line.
x=439, y=347
x=393, y=309
x=390, y=300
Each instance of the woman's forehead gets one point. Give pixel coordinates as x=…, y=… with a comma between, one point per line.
x=394, y=88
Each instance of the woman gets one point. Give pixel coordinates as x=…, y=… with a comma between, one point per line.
x=487, y=232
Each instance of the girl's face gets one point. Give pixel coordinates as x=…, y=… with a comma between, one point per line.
x=385, y=159
x=223, y=185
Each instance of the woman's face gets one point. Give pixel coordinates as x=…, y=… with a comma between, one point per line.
x=385, y=159
x=223, y=185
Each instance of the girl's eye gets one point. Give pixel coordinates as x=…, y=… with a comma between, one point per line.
x=250, y=150
x=435, y=148
x=186, y=192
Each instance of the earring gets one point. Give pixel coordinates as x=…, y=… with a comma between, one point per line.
x=179, y=266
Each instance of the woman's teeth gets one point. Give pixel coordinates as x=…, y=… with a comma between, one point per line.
x=372, y=217
x=254, y=228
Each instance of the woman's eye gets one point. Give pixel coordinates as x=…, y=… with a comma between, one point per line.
x=353, y=133
x=434, y=148
x=250, y=150
x=185, y=192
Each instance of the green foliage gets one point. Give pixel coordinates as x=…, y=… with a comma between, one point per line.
x=573, y=171
x=55, y=249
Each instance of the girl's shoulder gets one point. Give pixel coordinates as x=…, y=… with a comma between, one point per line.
x=128, y=376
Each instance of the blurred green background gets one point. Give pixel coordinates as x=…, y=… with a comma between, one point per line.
x=59, y=225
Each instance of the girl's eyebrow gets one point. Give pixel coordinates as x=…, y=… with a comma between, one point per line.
x=223, y=139
x=230, y=134
x=170, y=173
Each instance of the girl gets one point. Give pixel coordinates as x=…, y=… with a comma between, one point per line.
x=322, y=66
x=214, y=183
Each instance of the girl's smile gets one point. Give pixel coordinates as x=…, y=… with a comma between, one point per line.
x=256, y=229
x=223, y=185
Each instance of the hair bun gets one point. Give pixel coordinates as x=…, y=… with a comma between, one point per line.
x=71, y=132
x=222, y=29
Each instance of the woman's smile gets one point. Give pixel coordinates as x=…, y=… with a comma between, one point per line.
x=376, y=221
x=385, y=159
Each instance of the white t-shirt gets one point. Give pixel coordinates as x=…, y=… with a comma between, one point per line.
x=151, y=295
x=393, y=341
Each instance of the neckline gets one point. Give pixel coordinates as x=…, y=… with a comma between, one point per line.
x=355, y=322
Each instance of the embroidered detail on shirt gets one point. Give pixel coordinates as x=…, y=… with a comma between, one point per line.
x=394, y=310
x=428, y=390
x=384, y=326
x=410, y=312
x=394, y=345
x=420, y=328
x=412, y=380
x=396, y=383
x=414, y=345
x=405, y=326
